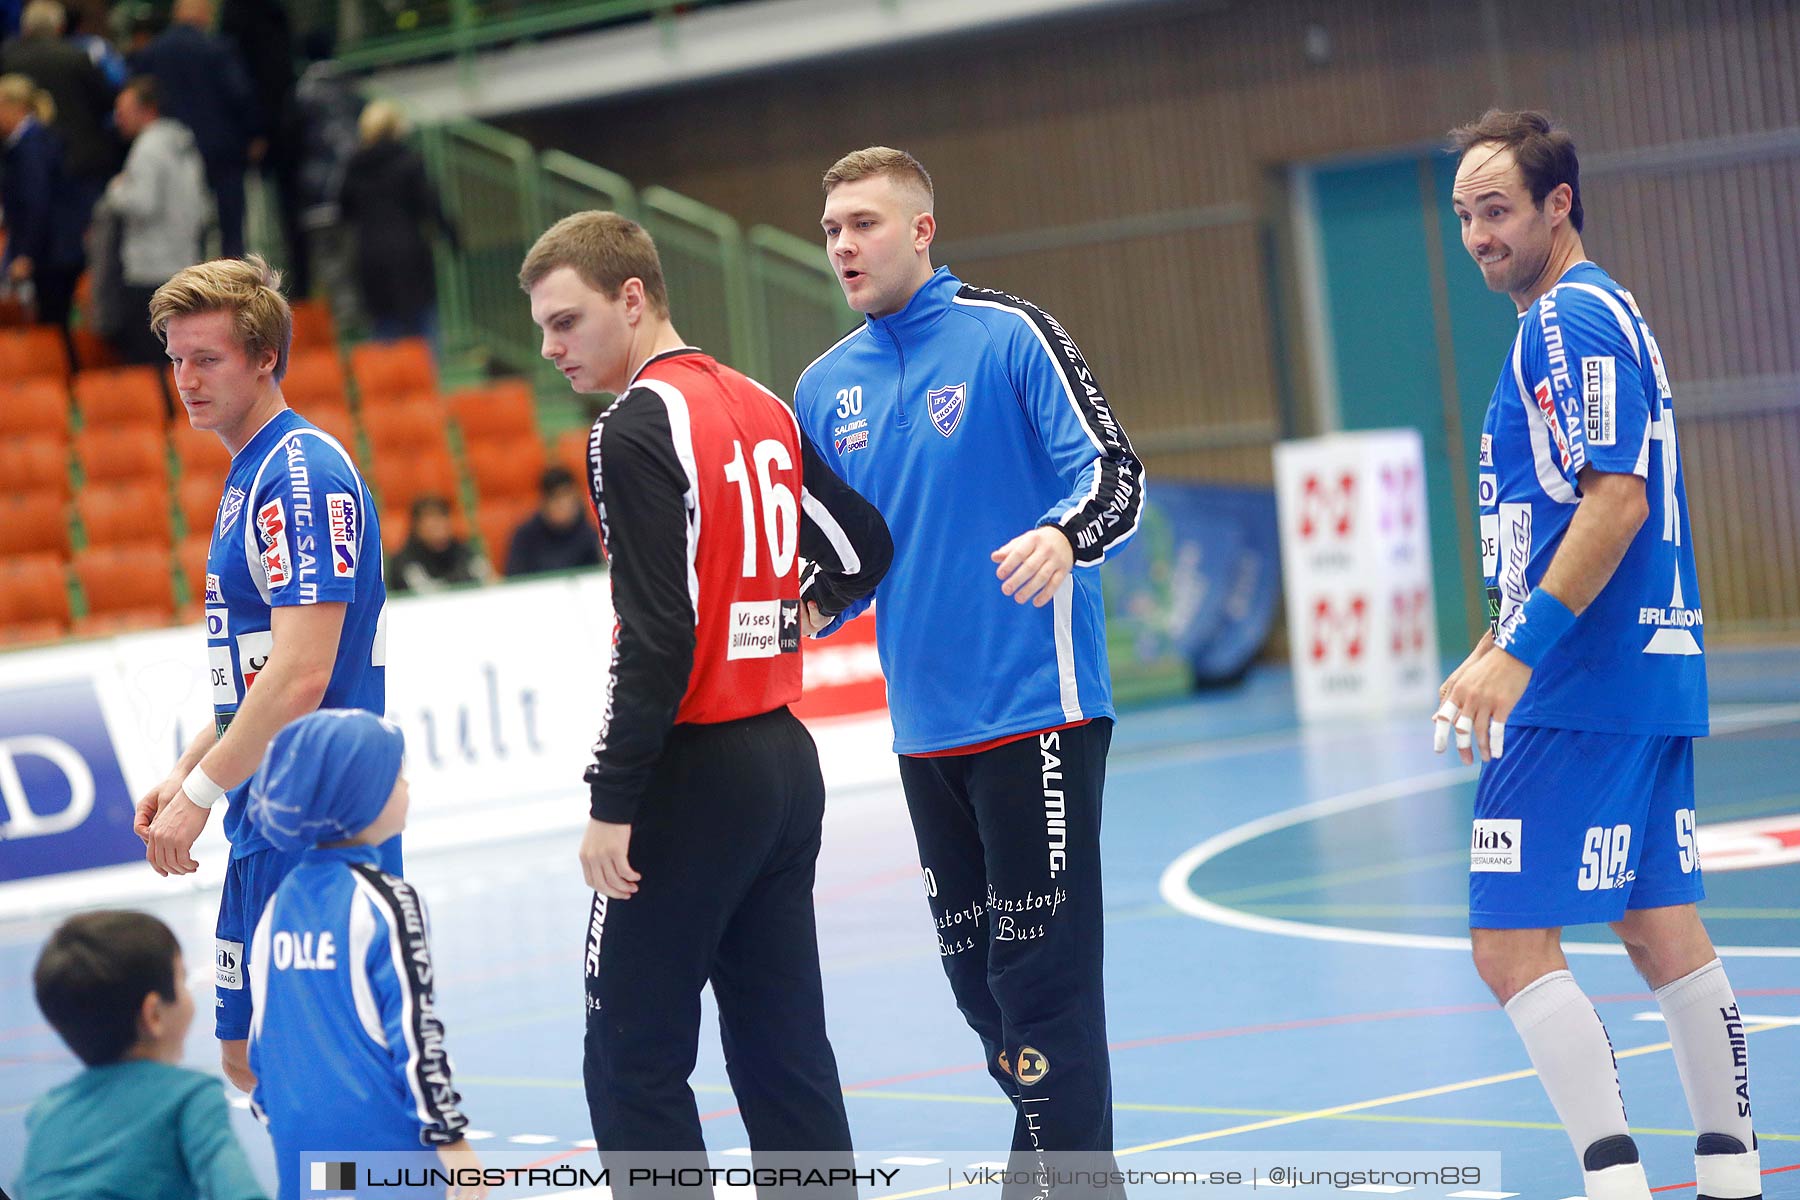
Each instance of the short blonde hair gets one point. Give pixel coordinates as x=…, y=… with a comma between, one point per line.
x=248, y=288
x=871, y=161
x=381, y=121
x=603, y=248
x=19, y=89
x=43, y=18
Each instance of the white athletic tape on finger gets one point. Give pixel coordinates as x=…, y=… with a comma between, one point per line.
x=1440, y=727
x=1496, y=738
x=1465, y=733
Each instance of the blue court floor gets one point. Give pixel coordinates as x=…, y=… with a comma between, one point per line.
x=1286, y=969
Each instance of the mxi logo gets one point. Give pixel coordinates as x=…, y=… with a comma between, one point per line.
x=1339, y=630
x=1328, y=504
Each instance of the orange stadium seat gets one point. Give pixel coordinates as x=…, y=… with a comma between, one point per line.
x=126, y=587
x=122, y=455
x=129, y=514
x=497, y=521
x=502, y=409
x=512, y=468
x=408, y=427
x=199, y=451
x=36, y=350
x=401, y=479
x=93, y=352
x=38, y=407
x=34, y=523
x=126, y=397
x=35, y=464
x=314, y=328
x=34, y=591
x=190, y=563
x=385, y=371
x=314, y=375
x=336, y=420
x=571, y=451
x=197, y=499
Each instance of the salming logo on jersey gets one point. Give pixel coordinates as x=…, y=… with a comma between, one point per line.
x=1585, y=390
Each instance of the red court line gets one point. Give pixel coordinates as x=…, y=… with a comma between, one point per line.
x=1676, y=1187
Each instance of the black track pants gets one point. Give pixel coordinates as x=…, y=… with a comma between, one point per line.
x=1010, y=842
x=726, y=842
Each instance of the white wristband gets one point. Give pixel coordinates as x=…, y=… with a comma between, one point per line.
x=201, y=790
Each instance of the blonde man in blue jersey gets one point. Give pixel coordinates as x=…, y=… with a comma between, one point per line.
x=1585, y=695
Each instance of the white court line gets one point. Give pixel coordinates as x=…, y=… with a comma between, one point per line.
x=1178, y=893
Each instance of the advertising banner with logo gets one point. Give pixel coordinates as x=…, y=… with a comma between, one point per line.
x=1356, y=558
x=1194, y=594
x=500, y=692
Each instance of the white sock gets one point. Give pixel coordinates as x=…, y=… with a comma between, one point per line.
x=1712, y=1054
x=1574, y=1059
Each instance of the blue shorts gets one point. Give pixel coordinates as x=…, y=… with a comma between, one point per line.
x=1573, y=827
x=250, y=882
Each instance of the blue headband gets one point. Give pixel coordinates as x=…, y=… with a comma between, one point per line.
x=326, y=777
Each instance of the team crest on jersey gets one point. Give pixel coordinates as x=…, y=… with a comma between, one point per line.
x=946, y=406
x=342, y=507
x=271, y=527
x=229, y=508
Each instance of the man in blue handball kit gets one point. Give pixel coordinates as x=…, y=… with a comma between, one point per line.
x=346, y=1042
x=293, y=596
x=1585, y=696
x=965, y=416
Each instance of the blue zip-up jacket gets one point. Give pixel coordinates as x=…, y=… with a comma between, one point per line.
x=346, y=1043
x=968, y=418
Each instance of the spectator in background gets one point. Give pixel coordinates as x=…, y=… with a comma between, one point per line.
x=327, y=109
x=389, y=203
x=557, y=537
x=204, y=86
x=433, y=557
x=102, y=53
x=264, y=38
x=161, y=205
x=43, y=243
x=83, y=101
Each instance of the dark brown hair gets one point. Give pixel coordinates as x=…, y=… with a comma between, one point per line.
x=1543, y=149
x=93, y=975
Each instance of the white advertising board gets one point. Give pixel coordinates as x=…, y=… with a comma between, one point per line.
x=1356, y=566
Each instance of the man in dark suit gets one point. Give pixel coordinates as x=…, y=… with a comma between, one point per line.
x=204, y=86
x=83, y=98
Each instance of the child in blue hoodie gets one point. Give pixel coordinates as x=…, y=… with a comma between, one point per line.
x=346, y=1043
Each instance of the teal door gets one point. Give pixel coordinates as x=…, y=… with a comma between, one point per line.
x=1416, y=339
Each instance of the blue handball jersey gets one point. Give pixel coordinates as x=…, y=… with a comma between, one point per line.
x=296, y=526
x=1585, y=386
